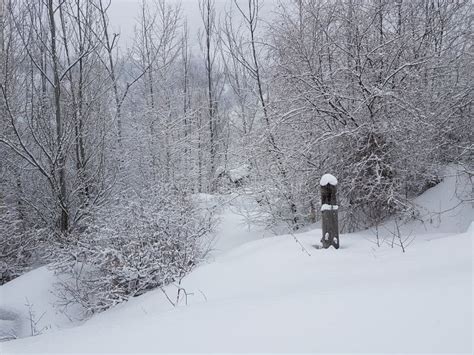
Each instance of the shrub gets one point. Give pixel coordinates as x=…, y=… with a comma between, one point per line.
x=140, y=243
x=21, y=246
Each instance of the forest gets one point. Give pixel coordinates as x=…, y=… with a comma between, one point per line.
x=108, y=148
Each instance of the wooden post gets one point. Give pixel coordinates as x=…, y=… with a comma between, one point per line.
x=329, y=211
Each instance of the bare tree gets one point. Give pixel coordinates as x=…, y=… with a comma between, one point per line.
x=57, y=80
x=242, y=46
x=208, y=16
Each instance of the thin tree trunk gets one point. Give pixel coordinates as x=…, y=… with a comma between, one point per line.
x=61, y=161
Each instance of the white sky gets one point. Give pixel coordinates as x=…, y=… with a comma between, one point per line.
x=123, y=15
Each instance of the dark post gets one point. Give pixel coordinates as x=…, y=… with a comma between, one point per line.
x=329, y=211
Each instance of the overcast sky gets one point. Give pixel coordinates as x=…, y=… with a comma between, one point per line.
x=123, y=15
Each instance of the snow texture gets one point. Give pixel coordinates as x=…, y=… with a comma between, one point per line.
x=328, y=179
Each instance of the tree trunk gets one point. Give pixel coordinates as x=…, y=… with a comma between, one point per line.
x=61, y=162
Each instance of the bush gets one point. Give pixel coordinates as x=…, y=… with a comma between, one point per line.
x=21, y=246
x=379, y=173
x=140, y=243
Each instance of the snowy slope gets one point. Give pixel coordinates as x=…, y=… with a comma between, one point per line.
x=32, y=292
x=268, y=295
x=445, y=208
x=233, y=227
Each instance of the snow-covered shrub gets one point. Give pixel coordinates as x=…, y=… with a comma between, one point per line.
x=379, y=173
x=140, y=243
x=370, y=186
x=21, y=246
x=379, y=168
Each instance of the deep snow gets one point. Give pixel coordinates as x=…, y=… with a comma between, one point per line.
x=268, y=295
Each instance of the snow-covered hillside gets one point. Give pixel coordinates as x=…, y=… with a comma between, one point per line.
x=269, y=295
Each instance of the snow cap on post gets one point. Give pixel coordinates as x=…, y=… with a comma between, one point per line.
x=328, y=179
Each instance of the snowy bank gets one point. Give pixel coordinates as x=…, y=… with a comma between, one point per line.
x=269, y=296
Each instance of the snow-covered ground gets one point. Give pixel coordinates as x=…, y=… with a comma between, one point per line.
x=267, y=294
x=233, y=228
